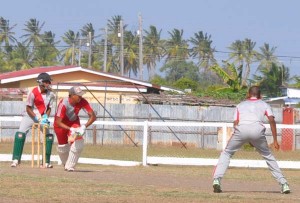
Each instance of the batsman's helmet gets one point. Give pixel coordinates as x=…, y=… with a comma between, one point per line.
x=44, y=77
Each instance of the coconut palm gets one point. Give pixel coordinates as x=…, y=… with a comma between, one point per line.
x=201, y=49
x=49, y=38
x=266, y=57
x=6, y=33
x=22, y=57
x=71, y=39
x=250, y=56
x=44, y=55
x=33, y=32
x=176, y=46
x=153, y=49
x=130, y=53
x=270, y=80
x=86, y=29
x=237, y=52
x=113, y=43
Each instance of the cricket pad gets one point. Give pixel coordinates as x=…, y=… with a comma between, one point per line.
x=49, y=142
x=18, y=145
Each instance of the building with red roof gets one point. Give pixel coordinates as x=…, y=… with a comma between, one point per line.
x=104, y=86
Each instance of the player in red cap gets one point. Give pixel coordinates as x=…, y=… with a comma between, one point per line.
x=68, y=129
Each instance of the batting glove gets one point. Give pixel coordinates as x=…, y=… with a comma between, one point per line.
x=73, y=131
x=37, y=119
x=44, y=120
x=81, y=130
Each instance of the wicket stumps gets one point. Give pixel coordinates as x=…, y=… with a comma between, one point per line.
x=34, y=127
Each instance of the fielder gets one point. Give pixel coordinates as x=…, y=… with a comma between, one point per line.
x=248, y=127
x=38, y=107
x=67, y=124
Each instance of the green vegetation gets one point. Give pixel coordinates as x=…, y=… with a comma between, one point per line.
x=185, y=63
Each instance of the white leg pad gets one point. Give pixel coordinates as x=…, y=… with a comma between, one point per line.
x=75, y=151
x=63, y=152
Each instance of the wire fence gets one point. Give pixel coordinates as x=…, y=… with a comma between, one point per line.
x=189, y=143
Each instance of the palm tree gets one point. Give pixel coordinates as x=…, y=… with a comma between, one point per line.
x=153, y=49
x=250, y=57
x=230, y=74
x=6, y=63
x=86, y=29
x=44, y=55
x=266, y=57
x=113, y=43
x=92, y=44
x=237, y=52
x=113, y=28
x=243, y=52
x=33, y=30
x=49, y=38
x=270, y=80
x=130, y=53
x=70, y=38
x=176, y=46
x=22, y=57
x=202, y=50
x=6, y=33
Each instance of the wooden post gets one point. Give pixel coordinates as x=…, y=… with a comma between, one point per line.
x=94, y=135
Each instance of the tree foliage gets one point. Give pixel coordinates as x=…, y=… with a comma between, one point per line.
x=185, y=63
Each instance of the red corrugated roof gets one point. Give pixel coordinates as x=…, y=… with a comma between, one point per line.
x=31, y=71
x=105, y=84
x=17, y=75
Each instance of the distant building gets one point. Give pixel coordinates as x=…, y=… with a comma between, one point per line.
x=98, y=85
x=290, y=97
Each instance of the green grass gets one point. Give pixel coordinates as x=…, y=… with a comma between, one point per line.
x=132, y=153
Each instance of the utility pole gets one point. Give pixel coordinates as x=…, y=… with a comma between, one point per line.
x=73, y=53
x=140, y=32
x=79, y=53
x=90, y=49
x=121, y=48
x=105, y=51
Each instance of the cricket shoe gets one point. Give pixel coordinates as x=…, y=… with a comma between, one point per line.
x=217, y=185
x=285, y=189
x=14, y=163
x=70, y=169
x=47, y=165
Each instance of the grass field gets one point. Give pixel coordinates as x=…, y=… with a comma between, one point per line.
x=96, y=183
x=132, y=153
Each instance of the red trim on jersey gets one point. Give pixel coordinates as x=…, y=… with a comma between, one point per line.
x=61, y=111
x=266, y=113
x=253, y=99
x=39, y=101
x=238, y=115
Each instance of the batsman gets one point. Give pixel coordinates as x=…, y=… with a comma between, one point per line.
x=38, y=107
x=67, y=127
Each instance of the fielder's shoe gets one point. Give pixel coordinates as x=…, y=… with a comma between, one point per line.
x=285, y=189
x=217, y=185
x=70, y=169
x=14, y=163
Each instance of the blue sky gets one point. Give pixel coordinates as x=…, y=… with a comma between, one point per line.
x=263, y=21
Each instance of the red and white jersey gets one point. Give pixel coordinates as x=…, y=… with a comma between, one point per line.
x=252, y=111
x=69, y=113
x=40, y=102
